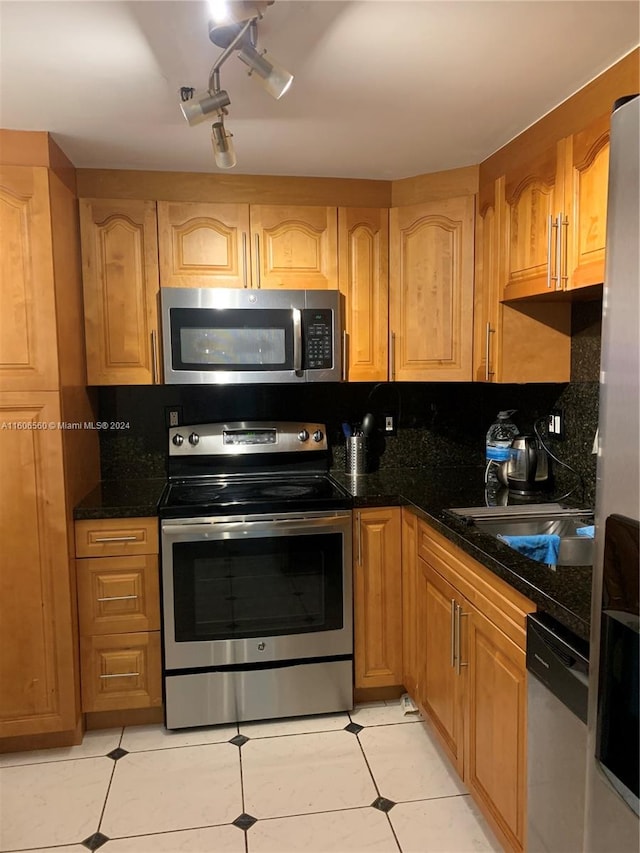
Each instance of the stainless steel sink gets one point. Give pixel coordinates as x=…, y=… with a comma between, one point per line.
x=537, y=519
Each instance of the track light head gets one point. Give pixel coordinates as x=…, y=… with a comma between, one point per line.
x=222, y=142
x=275, y=79
x=201, y=106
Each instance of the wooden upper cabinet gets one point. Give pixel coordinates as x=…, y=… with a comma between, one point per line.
x=120, y=281
x=378, y=597
x=363, y=264
x=431, y=290
x=533, y=197
x=203, y=245
x=28, y=342
x=586, y=184
x=37, y=663
x=294, y=247
x=488, y=274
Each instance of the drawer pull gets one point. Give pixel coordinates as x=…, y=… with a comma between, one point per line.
x=121, y=675
x=116, y=539
x=118, y=598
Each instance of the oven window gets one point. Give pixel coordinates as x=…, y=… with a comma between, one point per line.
x=232, y=339
x=259, y=587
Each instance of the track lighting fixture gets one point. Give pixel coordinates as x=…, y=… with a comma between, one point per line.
x=233, y=26
x=222, y=143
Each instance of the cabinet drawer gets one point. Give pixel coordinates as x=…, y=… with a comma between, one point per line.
x=118, y=595
x=115, y=537
x=121, y=671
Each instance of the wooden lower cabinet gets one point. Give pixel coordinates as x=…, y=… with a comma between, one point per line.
x=409, y=601
x=119, y=611
x=377, y=597
x=471, y=677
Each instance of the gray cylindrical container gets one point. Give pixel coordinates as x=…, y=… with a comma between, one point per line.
x=356, y=458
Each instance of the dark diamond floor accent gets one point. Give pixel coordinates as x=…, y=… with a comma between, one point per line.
x=244, y=821
x=239, y=740
x=354, y=728
x=93, y=842
x=117, y=753
x=383, y=804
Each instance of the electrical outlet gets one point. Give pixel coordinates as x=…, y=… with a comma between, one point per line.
x=555, y=423
x=390, y=425
x=173, y=415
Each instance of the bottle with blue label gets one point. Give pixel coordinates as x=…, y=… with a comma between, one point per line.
x=498, y=448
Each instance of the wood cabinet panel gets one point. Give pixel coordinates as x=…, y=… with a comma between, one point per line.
x=378, y=597
x=410, y=678
x=118, y=595
x=28, y=341
x=121, y=671
x=203, y=245
x=120, y=279
x=294, y=247
x=496, y=772
x=431, y=290
x=37, y=662
x=363, y=265
x=116, y=537
x=441, y=688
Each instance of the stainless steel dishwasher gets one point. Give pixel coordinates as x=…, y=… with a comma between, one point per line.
x=557, y=690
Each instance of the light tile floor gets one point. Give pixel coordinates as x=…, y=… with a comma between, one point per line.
x=372, y=781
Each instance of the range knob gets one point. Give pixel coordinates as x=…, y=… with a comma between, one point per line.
x=194, y=438
x=178, y=440
x=303, y=435
x=318, y=435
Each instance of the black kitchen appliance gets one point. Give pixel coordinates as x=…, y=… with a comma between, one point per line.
x=256, y=575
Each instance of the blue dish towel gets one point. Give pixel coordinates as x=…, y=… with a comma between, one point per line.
x=543, y=547
x=589, y=530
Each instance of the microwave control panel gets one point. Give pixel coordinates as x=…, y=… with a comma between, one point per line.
x=318, y=337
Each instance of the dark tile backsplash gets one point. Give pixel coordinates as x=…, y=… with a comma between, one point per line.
x=439, y=424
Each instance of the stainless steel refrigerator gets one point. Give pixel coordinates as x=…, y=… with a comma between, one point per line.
x=611, y=814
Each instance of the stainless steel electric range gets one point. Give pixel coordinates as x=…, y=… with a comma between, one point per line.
x=256, y=575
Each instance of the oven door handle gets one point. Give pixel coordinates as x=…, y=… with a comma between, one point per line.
x=277, y=526
x=297, y=339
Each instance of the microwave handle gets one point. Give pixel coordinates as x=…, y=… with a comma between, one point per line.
x=297, y=339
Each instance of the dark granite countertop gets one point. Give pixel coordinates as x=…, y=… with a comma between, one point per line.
x=565, y=593
x=121, y=499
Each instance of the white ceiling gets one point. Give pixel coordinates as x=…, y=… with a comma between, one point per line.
x=383, y=88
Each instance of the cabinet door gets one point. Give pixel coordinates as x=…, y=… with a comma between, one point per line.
x=410, y=602
x=586, y=183
x=363, y=245
x=378, y=597
x=37, y=663
x=203, y=245
x=440, y=687
x=28, y=344
x=533, y=197
x=431, y=291
x=120, y=279
x=294, y=247
x=488, y=284
x=496, y=711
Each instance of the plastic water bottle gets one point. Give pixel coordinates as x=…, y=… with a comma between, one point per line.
x=500, y=436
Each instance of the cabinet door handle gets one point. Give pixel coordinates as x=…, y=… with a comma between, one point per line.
x=453, y=632
x=116, y=539
x=121, y=675
x=154, y=357
x=558, y=277
x=344, y=356
x=459, y=663
x=118, y=598
x=487, y=351
x=392, y=355
x=359, y=516
x=563, y=271
x=245, y=280
x=258, y=282
x=551, y=227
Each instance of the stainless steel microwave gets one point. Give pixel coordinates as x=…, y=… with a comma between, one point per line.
x=231, y=336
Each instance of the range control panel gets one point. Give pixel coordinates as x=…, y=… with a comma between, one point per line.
x=317, y=334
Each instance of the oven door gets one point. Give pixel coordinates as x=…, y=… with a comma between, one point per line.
x=254, y=589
